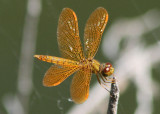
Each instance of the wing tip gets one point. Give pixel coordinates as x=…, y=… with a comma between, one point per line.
x=47, y=83
x=67, y=9
x=80, y=101
x=102, y=8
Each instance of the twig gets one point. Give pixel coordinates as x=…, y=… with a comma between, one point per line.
x=114, y=97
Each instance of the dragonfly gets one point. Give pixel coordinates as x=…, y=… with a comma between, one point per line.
x=75, y=59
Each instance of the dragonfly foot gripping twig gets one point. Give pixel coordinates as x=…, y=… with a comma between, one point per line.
x=114, y=97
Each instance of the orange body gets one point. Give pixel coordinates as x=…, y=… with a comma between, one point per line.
x=75, y=60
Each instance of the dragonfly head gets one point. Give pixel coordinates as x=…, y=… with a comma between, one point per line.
x=107, y=69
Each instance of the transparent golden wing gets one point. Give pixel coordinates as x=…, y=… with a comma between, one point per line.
x=55, y=75
x=93, y=31
x=68, y=36
x=80, y=85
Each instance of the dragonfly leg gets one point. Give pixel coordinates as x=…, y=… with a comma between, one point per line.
x=101, y=83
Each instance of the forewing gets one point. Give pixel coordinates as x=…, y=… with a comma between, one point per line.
x=80, y=85
x=68, y=36
x=93, y=31
x=55, y=75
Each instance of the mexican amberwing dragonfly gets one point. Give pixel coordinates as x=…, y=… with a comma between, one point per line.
x=75, y=60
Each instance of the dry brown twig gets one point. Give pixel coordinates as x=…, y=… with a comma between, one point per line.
x=114, y=97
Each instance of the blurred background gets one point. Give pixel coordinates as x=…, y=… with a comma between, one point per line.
x=131, y=42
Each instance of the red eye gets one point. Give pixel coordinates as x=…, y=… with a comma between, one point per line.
x=108, y=65
x=107, y=68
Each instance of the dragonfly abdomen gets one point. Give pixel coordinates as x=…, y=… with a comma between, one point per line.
x=57, y=60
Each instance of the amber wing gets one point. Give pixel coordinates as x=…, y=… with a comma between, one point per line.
x=80, y=85
x=68, y=36
x=93, y=31
x=56, y=74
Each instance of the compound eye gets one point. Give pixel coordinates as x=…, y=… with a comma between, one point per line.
x=107, y=69
x=108, y=65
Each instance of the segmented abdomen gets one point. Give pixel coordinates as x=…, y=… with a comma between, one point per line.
x=57, y=60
